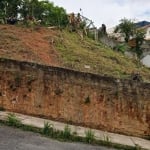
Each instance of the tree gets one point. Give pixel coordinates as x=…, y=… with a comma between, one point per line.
x=39, y=9
x=127, y=28
x=139, y=39
x=10, y=7
x=44, y=11
x=13, y=8
x=2, y=9
x=29, y=8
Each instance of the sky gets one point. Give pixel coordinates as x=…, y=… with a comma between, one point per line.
x=108, y=12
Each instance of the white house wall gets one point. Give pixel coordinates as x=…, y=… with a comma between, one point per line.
x=146, y=61
x=147, y=36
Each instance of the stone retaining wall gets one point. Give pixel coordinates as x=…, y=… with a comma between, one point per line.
x=106, y=103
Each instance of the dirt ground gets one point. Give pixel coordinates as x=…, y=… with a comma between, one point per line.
x=27, y=44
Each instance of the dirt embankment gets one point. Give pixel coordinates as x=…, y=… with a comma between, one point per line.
x=26, y=44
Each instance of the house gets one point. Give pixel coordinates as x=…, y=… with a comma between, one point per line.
x=142, y=24
x=146, y=60
x=147, y=31
x=145, y=25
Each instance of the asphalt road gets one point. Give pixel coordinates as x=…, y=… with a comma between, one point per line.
x=15, y=139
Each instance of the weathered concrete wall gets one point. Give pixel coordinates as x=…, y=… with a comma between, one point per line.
x=99, y=102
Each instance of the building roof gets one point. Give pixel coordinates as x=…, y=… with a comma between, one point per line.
x=142, y=24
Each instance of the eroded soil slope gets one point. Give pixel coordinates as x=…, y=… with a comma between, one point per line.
x=28, y=44
x=64, y=49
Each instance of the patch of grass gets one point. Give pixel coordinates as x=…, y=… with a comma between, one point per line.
x=67, y=132
x=76, y=53
x=89, y=136
x=12, y=120
x=30, y=128
x=48, y=129
x=72, y=52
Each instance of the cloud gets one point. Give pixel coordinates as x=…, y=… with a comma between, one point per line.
x=108, y=11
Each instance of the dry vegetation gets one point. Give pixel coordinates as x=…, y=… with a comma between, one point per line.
x=100, y=59
x=26, y=44
x=64, y=49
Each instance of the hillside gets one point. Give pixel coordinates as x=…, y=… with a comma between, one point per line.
x=64, y=49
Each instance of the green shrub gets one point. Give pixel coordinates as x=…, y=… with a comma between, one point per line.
x=67, y=132
x=89, y=136
x=12, y=120
x=48, y=129
x=91, y=36
x=121, y=47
